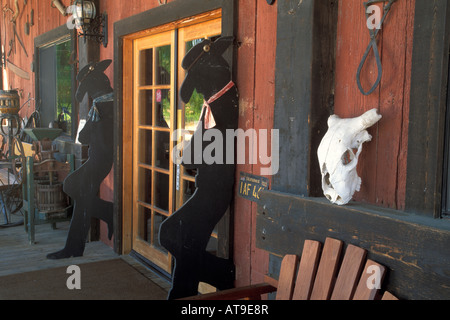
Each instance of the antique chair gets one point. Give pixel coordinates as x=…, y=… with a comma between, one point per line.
x=320, y=275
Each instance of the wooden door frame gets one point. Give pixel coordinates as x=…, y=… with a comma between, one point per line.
x=176, y=12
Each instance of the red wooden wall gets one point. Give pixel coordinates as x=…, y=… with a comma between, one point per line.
x=382, y=165
x=46, y=19
x=256, y=82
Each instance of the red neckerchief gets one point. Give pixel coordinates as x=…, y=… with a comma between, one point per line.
x=209, y=121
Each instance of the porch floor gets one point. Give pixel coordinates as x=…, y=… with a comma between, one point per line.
x=18, y=256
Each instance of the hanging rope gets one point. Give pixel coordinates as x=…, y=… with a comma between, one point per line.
x=373, y=46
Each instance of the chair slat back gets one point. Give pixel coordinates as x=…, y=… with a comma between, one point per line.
x=349, y=273
x=388, y=296
x=326, y=272
x=370, y=281
x=322, y=275
x=307, y=270
x=287, y=276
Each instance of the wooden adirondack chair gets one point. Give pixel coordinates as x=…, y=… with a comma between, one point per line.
x=321, y=275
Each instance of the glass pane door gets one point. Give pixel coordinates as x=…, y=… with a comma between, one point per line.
x=160, y=187
x=153, y=107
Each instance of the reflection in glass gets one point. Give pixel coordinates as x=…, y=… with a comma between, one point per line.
x=146, y=67
x=161, y=191
x=149, y=227
x=162, y=140
x=163, y=65
x=145, y=107
x=193, y=108
x=157, y=220
x=145, y=221
x=189, y=189
x=64, y=86
x=145, y=150
x=162, y=99
x=192, y=112
x=145, y=185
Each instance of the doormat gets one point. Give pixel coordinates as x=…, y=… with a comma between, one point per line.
x=105, y=280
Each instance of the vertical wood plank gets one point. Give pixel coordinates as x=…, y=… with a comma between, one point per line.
x=392, y=87
x=349, y=273
x=382, y=164
x=287, y=275
x=328, y=267
x=245, y=79
x=401, y=188
x=366, y=289
x=263, y=109
x=127, y=147
x=293, y=94
x=352, y=40
x=428, y=104
x=307, y=270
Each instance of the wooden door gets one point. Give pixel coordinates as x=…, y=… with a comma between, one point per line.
x=159, y=187
x=154, y=122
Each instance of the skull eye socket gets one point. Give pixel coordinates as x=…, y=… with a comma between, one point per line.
x=348, y=156
x=327, y=180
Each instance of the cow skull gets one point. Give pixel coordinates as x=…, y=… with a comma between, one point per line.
x=338, y=154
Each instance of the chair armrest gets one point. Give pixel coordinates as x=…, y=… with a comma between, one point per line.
x=252, y=292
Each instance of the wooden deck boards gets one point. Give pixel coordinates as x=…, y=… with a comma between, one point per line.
x=17, y=255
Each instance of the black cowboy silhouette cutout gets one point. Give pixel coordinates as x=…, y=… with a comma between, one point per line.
x=83, y=185
x=186, y=233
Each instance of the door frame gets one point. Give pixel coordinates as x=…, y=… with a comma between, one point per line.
x=157, y=19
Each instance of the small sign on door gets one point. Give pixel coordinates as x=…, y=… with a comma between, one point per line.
x=158, y=95
x=250, y=186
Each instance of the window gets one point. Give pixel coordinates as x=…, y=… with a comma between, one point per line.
x=55, y=85
x=55, y=52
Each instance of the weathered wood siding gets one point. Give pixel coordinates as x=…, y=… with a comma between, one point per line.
x=256, y=82
x=382, y=165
